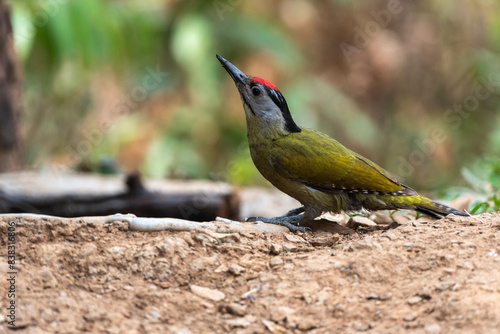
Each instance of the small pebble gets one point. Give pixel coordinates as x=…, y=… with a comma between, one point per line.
x=276, y=249
x=324, y=239
x=358, y=221
x=222, y=268
x=414, y=300
x=433, y=329
x=372, y=296
x=466, y=265
x=294, y=238
x=362, y=244
x=115, y=249
x=401, y=219
x=361, y=327
x=207, y=293
x=236, y=309
x=239, y=322
x=449, y=270
x=410, y=317
x=468, y=245
x=390, y=235
x=275, y=262
x=236, y=269
x=408, y=244
x=269, y=325
x=306, y=323
x=273, y=327
x=154, y=315
x=385, y=296
x=381, y=219
x=492, y=253
x=290, y=247
x=443, y=286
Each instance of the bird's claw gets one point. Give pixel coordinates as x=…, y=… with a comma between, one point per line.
x=282, y=221
x=253, y=219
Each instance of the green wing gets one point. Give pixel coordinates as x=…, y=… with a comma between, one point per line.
x=322, y=163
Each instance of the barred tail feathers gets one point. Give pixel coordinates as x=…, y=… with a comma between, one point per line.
x=418, y=203
x=438, y=210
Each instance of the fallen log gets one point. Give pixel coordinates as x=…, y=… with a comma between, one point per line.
x=203, y=203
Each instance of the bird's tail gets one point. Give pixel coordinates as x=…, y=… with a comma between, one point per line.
x=418, y=203
x=435, y=209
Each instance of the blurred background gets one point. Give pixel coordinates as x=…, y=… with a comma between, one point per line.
x=412, y=85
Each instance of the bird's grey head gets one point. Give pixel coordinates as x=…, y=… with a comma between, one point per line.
x=263, y=102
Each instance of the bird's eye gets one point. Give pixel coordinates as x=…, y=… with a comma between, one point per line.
x=255, y=91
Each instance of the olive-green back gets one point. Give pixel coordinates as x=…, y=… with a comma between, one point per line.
x=324, y=164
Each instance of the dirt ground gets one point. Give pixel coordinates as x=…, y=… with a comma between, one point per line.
x=423, y=276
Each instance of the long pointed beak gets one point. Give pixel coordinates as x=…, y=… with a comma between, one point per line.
x=233, y=71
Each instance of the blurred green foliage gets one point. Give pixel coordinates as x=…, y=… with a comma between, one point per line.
x=483, y=186
x=387, y=98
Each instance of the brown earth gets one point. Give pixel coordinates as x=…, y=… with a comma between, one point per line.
x=421, y=277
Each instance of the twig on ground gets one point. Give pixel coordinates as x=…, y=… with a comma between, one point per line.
x=221, y=225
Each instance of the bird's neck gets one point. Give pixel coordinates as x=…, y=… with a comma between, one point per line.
x=258, y=134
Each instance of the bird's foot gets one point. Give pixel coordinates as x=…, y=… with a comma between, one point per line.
x=294, y=212
x=291, y=213
x=286, y=220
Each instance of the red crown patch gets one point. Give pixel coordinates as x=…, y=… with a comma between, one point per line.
x=265, y=82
